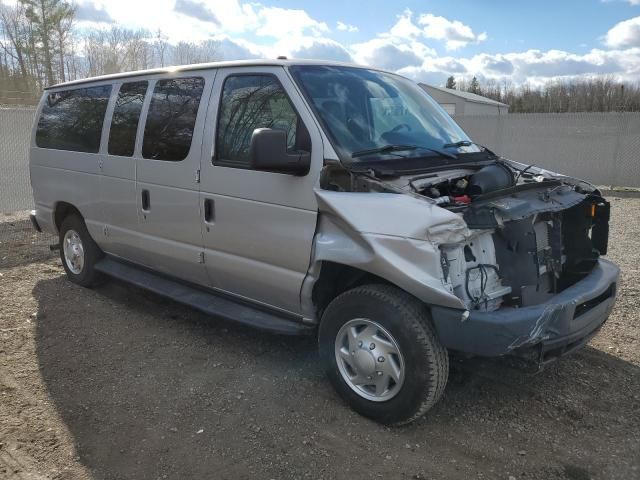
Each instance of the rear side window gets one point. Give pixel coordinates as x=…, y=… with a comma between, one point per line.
x=172, y=118
x=73, y=119
x=126, y=114
x=250, y=102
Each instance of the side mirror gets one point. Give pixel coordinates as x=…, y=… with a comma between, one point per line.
x=268, y=151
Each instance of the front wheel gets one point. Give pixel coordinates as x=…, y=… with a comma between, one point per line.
x=381, y=353
x=78, y=252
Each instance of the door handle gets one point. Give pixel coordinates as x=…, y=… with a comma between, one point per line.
x=146, y=200
x=209, y=212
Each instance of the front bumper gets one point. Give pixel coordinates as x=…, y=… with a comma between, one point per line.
x=564, y=323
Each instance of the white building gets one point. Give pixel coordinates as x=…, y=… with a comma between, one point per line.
x=456, y=102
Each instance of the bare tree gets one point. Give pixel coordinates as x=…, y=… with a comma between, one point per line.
x=15, y=33
x=160, y=46
x=186, y=53
x=210, y=51
x=116, y=50
x=597, y=94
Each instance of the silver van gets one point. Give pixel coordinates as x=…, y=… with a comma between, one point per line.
x=320, y=198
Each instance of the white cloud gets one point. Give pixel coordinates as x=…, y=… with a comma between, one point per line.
x=630, y=2
x=624, y=34
x=398, y=48
x=196, y=10
x=281, y=23
x=533, y=66
x=346, y=27
x=235, y=49
x=322, y=48
x=402, y=47
x=404, y=28
x=89, y=12
x=199, y=20
x=390, y=54
x=454, y=33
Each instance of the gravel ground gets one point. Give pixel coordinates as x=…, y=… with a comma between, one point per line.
x=117, y=383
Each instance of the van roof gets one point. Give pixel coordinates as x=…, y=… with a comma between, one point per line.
x=204, y=66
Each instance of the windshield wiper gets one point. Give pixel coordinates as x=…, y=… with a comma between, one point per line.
x=397, y=148
x=383, y=149
x=468, y=143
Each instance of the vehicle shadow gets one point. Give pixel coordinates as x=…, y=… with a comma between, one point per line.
x=151, y=389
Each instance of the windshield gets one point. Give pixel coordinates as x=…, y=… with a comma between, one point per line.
x=378, y=113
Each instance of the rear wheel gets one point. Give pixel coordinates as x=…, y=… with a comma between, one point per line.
x=381, y=353
x=78, y=252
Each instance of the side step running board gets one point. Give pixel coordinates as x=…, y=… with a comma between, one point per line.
x=202, y=300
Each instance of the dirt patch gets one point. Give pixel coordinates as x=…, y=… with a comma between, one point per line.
x=117, y=383
x=20, y=244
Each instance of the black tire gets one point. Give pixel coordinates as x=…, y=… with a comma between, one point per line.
x=87, y=276
x=426, y=361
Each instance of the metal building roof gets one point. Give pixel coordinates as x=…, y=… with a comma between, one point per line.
x=468, y=96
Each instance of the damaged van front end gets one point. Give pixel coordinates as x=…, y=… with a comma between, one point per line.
x=531, y=275
x=514, y=268
x=506, y=256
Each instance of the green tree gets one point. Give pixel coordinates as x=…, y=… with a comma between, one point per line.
x=451, y=83
x=474, y=86
x=49, y=18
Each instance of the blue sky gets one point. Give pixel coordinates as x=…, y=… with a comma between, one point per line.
x=544, y=24
x=518, y=41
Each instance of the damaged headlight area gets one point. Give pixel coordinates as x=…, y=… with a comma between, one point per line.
x=471, y=272
x=525, y=248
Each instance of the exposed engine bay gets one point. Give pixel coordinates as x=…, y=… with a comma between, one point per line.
x=533, y=233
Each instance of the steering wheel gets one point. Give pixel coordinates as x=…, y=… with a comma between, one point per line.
x=399, y=127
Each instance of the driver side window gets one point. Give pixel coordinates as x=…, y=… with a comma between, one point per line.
x=249, y=102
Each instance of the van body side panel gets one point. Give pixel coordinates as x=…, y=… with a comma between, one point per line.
x=258, y=244
x=170, y=238
x=118, y=194
x=261, y=250
x=77, y=184
x=65, y=176
x=53, y=185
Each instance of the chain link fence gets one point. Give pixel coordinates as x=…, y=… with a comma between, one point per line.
x=603, y=148
x=19, y=242
x=15, y=133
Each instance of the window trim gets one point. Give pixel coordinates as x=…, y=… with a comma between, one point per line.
x=151, y=88
x=215, y=159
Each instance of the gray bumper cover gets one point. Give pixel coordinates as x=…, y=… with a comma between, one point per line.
x=568, y=320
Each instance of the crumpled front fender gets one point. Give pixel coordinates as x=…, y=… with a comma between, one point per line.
x=388, y=235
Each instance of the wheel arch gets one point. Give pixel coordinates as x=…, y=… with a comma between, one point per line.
x=62, y=210
x=343, y=257
x=336, y=278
